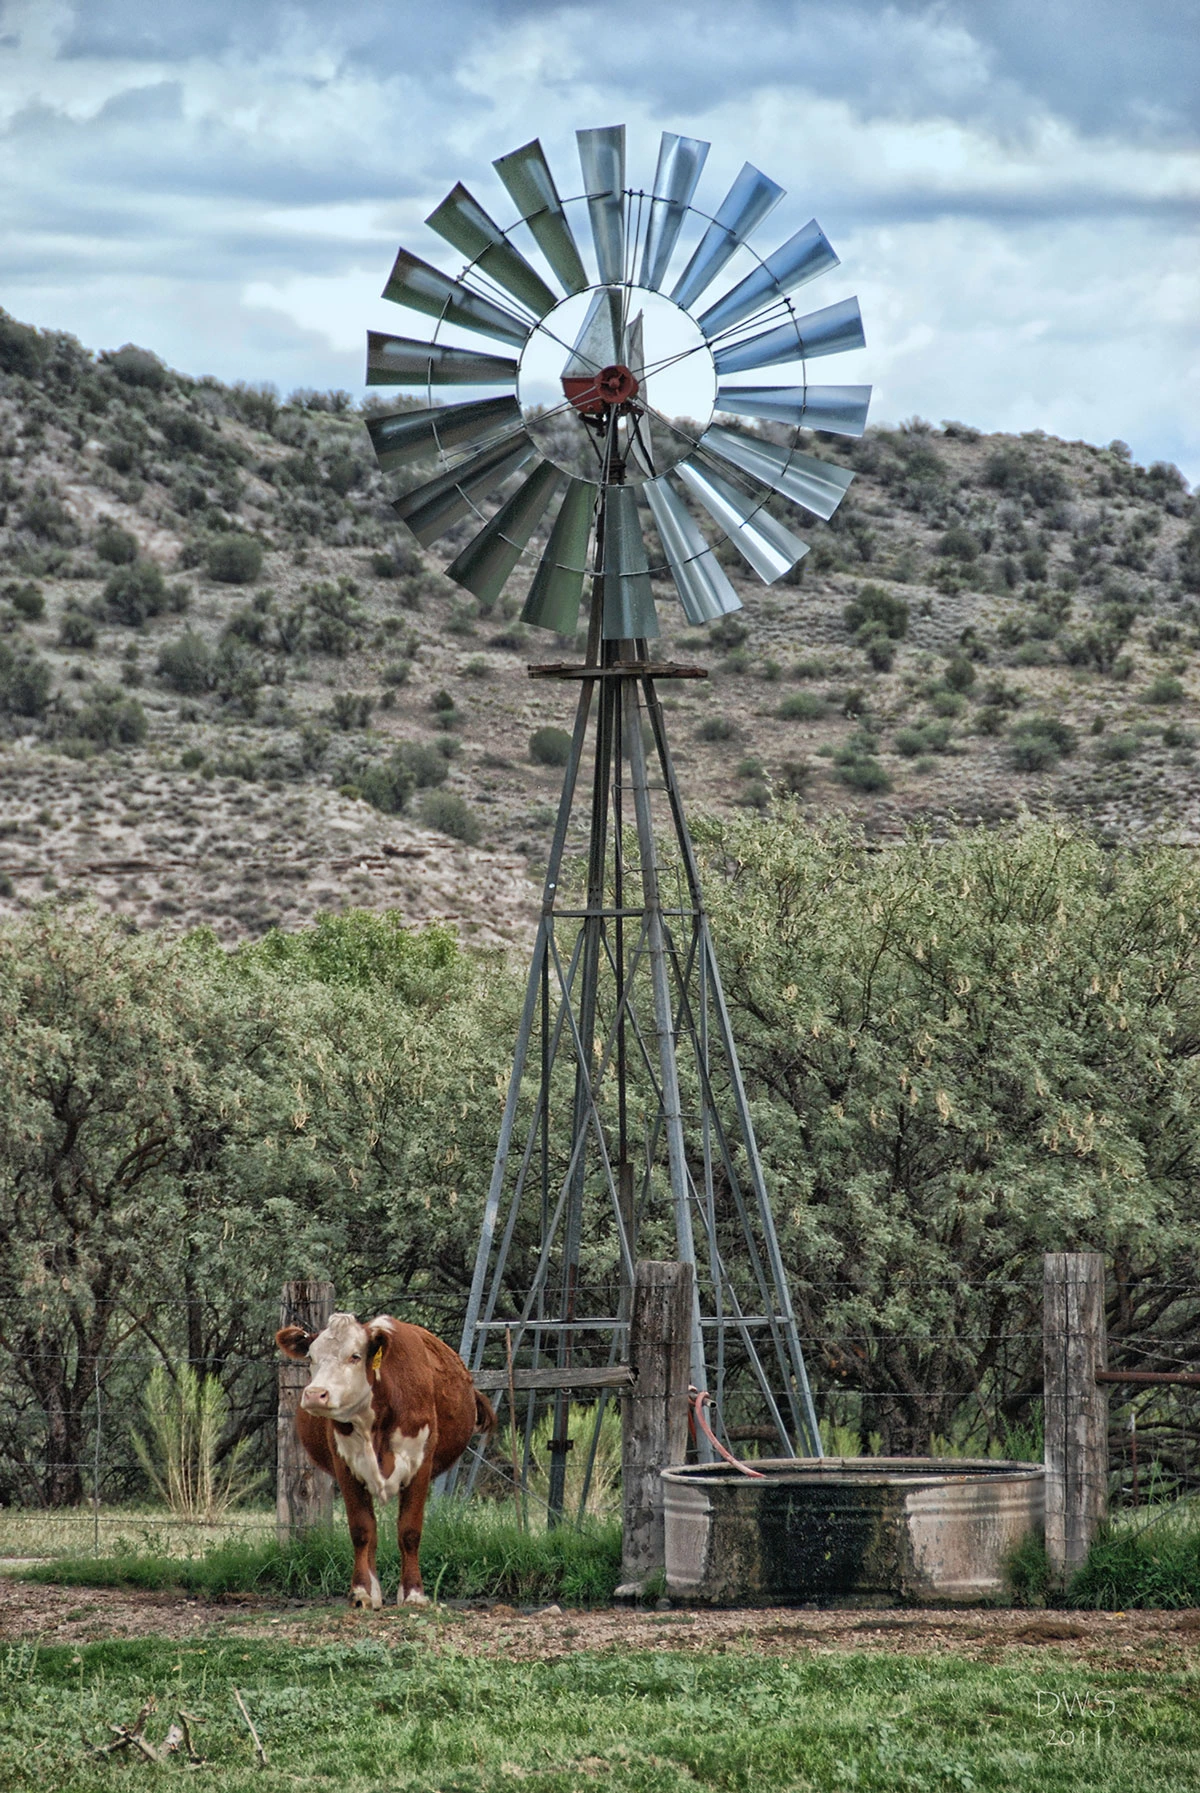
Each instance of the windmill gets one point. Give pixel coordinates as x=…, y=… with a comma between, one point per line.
x=595, y=458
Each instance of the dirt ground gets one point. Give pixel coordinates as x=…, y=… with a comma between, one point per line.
x=58, y=1615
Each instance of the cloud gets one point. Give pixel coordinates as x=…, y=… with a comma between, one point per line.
x=1008, y=184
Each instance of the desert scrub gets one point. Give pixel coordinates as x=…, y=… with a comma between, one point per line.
x=549, y=746
x=451, y=814
x=802, y=706
x=234, y=559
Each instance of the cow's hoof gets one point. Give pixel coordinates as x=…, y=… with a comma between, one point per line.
x=363, y=1597
x=414, y=1597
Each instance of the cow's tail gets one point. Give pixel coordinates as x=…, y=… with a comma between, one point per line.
x=485, y=1413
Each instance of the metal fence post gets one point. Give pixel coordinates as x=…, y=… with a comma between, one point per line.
x=303, y=1495
x=1076, y=1407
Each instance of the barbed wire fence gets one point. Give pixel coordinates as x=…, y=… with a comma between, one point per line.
x=1153, y=1433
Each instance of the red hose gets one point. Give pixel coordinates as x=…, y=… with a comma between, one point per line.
x=698, y=1397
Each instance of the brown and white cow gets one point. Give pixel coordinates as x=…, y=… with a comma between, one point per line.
x=388, y=1408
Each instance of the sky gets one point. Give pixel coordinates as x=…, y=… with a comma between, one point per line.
x=1011, y=185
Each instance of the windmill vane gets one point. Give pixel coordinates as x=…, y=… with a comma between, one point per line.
x=597, y=453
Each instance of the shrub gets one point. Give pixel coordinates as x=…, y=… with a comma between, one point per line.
x=183, y=431
x=133, y=593
x=185, y=1419
x=794, y=776
x=755, y=795
x=111, y=719
x=957, y=543
x=550, y=746
x=716, y=728
x=76, y=630
x=802, y=706
x=426, y=764
x=24, y=683
x=387, y=786
x=1118, y=748
x=136, y=367
x=396, y=672
x=450, y=814
x=864, y=773
x=115, y=545
x=234, y=559
x=441, y=700
x=1039, y=742
x=187, y=664
x=875, y=605
x=960, y=673
x=923, y=737
x=349, y=709
x=26, y=599
x=729, y=633
x=1164, y=690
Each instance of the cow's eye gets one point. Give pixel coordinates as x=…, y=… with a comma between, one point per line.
x=356, y=1357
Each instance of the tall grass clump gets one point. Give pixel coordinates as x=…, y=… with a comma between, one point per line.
x=185, y=1419
x=1150, y=1559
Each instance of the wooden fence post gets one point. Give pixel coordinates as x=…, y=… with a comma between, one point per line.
x=654, y=1412
x=1076, y=1409
x=303, y=1494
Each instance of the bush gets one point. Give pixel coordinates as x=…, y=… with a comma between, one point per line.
x=426, y=764
x=802, y=706
x=115, y=545
x=550, y=746
x=878, y=646
x=1039, y=742
x=187, y=664
x=960, y=673
x=794, y=776
x=923, y=737
x=1164, y=690
x=875, y=605
x=26, y=599
x=864, y=773
x=450, y=814
x=716, y=728
x=76, y=630
x=396, y=672
x=387, y=786
x=25, y=681
x=133, y=593
x=957, y=543
x=111, y=719
x=349, y=709
x=234, y=559
x=136, y=367
x=1115, y=749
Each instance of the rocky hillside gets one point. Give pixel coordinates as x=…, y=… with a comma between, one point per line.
x=233, y=692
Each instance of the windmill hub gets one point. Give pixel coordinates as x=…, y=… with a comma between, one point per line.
x=613, y=385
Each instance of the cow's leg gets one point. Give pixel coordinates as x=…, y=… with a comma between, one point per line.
x=360, y=1517
x=409, y=1521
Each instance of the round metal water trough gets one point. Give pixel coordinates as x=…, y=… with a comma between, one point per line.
x=847, y=1530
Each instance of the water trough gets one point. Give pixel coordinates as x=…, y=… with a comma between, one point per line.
x=848, y=1530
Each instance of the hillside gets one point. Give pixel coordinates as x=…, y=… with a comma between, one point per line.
x=232, y=691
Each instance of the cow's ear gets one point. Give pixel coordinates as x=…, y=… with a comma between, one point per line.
x=377, y=1344
x=293, y=1341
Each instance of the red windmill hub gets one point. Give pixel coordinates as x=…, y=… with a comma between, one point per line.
x=593, y=395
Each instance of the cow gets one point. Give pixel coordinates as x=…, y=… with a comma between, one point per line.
x=388, y=1408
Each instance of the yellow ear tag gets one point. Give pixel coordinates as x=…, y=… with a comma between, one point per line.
x=376, y=1360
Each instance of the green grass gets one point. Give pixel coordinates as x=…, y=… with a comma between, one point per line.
x=403, y=1712
x=466, y=1552
x=71, y=1531
x=1148, y=1558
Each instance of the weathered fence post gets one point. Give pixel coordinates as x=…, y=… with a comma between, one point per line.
x=1076, y=1408
x=654, y=1412
x=304, y=1496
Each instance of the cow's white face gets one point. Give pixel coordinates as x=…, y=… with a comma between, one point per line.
x=339, y=1385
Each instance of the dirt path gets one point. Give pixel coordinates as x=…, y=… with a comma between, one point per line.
x=57, y=1615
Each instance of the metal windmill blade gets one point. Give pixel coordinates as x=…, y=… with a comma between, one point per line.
x=616, y=439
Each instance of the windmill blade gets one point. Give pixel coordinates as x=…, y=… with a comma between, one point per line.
x=680, y=163
x=841, y=410
x=433, y=508
x=526, y=174
x=484, y=565
x=752, y=195
x=400, y=361
x=701, y=581
x=825, y=332
x=628, y=600
x=817, y=485
x=598, y=343
x=602, y=158
x=462, y=221
x=404, y=436
x=800, y=259
x=557, y=588
x=764, y=543
x=414, y=283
